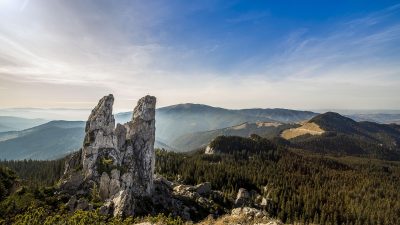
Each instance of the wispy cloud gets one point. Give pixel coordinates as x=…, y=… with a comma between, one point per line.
x=345, y=52
x=73, y=51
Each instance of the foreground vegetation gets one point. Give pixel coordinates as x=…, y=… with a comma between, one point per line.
x=300, y=186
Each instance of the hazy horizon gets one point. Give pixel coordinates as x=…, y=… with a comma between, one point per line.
x=82, y=114
x=314, y=55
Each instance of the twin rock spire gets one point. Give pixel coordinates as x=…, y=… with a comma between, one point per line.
x=117, y=160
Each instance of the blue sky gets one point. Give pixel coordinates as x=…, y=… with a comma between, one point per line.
x=235, y=54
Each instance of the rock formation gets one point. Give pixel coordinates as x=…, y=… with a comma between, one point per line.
x=114, y=171
x=209, y=150
x=116, y=161
x=243, y=198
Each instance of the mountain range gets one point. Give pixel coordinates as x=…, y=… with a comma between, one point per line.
x=186, y=127
x=47, y=141
x=333, y=133
x=12, y=123
x=201, y=139
x=176, y=120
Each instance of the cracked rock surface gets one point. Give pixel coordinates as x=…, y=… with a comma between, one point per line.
x=118, y=161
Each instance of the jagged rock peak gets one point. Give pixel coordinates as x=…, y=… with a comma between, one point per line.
x=117, y=161
x=101, y=116
x=145, y=109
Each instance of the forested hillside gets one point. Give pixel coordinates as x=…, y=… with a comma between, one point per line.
x=300, y=186
x=36, y=173
x=7, y=181
x=196, y=140
x=344, y=136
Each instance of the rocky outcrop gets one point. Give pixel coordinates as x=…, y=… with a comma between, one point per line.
x=243, y=198
x=114, y=172
x=115, y=161
x=249, y=212
x=209, y=150
x=115, y=169
x=186, y=201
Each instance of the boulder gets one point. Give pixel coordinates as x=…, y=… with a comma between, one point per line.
x=164, y=181
x=203, y=188
x=243, y=198
x=209, y=150
x=264, y=202
x=249, y=212
x=182, y=189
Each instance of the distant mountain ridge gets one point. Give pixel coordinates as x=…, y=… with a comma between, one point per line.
x=188, y=118
x=200, y=139
x=12, y=123
x=56, y=138
x=184, y=127
x=343, y=135
x=377, y=117
x=47, y=141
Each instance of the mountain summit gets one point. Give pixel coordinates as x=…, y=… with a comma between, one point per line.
x=332, y=132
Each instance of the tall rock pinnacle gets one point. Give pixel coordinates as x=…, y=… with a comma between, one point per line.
x=140, y=138
x=117, y=161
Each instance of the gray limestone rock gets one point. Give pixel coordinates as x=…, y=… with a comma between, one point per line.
x=209, y=150
x=243, y=198
x=104, y=186
x=203, y=188
x=119, y=160
x=248, y=212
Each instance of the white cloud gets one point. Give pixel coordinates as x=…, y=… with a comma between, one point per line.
x=64, y=46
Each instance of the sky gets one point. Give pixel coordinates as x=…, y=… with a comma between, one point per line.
x=232, y=54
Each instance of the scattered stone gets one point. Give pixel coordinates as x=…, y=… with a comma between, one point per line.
x=248, y=212
x=183, y=189
x=243, y=198
x=264, y=202
x=203, y=188
x=161, y=179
